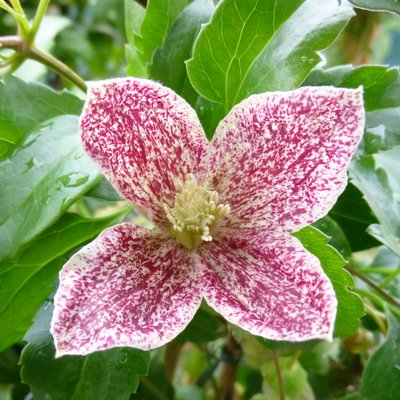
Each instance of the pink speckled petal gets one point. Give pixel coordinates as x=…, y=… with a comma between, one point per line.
x=126, y=288
x=269, y=286
x=280, y=159
x=144, y=137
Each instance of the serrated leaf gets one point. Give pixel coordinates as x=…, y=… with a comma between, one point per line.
x=378, y=5
x=168, y=65
x=159, y=16
x=252, y=47
x=30, y=278
x=381, y=84
x=350, y=306
x=377, y=178
x=104, y=375
x=23, y=106
x=381, y=376
x=40, y=180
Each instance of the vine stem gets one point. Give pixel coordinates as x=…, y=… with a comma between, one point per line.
x=279, y=375
x=372, y=285
x=231, y=356
x=40, y=12
x=171, y=358
x=34, y=53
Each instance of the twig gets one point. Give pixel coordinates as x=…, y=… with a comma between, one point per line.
x=372, y=285
x=34, y=53
x=231, y=357
x=279, y=375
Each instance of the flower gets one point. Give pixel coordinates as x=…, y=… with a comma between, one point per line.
x=223, y=213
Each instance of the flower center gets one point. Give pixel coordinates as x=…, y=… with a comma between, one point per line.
x=195, y=213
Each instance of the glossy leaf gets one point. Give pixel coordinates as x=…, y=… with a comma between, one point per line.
x=38, y=102
x=46, y=173
x=134, y=13
x=378, y=179
x=105, y=375
x=381, y=84
x=381, y=377
x=30, y=278
x=252, y=47
x=168, y=65
x=159, y=16
x=378, y=5
x=350, y=306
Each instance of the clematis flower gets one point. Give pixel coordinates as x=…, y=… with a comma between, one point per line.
x=223, y=213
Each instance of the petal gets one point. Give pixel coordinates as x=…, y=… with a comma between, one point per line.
x=280, y=159
x=144, y=137
x=273, y=288
x=127, y=288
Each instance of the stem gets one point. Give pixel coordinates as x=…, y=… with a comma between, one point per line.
x=34, y=53
x=40, y=12
x=231, y=355
x=18, y=13
x=171, y=358
x=279, y=375
x=372, y=285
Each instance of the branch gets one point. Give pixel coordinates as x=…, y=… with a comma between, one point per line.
x=26, y=51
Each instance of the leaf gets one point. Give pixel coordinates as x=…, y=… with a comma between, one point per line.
x=381, y=376
x=134, y=13
x=160, y=14
x=382, y=130
x=204, y=327
x=353, y=214
x=350, y=306
x=378, y=179
x=378, y=5
x=168, y=65
x=104, y=375
x=46, y=173
x=381, y=84
x=30, y=278
x=38, y=102
x=252, y=47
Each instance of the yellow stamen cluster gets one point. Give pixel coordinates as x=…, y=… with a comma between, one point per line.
x=195, y=213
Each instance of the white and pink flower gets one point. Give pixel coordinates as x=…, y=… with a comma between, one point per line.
x=223, y=213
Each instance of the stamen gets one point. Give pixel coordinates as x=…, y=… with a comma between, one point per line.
x=195, y=213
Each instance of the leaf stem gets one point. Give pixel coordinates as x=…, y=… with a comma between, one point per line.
x=40, y=12
x=171, y=357
x=34, y=53
x=373, y=286
x=279, y=375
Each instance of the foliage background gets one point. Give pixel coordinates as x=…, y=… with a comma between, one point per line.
x=53, y=199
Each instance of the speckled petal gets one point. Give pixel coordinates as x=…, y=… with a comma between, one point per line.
x=269, y=286
x=144, y=137
x=280, y=158
x=126, y=288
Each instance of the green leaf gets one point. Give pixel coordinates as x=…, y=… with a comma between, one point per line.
x=104, y=375
x=104, y=190
x=354, y=216
x=381, y=84
x=40, y=180
x=168, y=64
x=30, y=278
x=382, y=130
x=252, y=47
x=350, y=306
x=134, y=14
x=378, y=5
x=381, y=376
x=160, y=14
x=24, y=105
x=204, y=327
x=377, y=178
